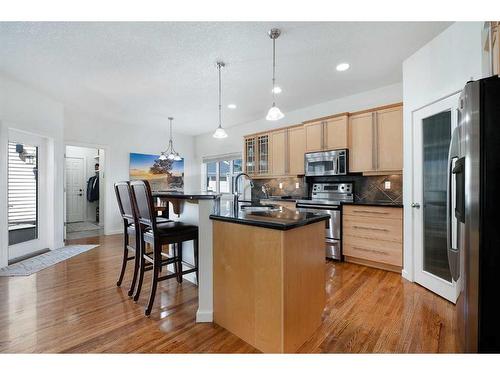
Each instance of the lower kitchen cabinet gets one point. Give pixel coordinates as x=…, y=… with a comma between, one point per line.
x=373, y=236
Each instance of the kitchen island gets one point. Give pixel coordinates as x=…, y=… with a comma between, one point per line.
x=194, y=207
x=269, y=275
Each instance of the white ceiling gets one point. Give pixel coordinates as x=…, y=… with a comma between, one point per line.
x=141, y=73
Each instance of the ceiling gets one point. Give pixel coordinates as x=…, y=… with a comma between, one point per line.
x=140, y=73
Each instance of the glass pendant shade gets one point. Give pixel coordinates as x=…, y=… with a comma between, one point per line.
x=274, y=114
x=162, y=156
x=220, y=133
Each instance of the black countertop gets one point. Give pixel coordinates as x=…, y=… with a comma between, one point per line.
x=192, y=195
x=281, y=218
x=374, y=203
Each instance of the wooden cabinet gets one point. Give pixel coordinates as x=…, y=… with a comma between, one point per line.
x=373, y=236
x=263, y=165
x=376, y=141
x=389, y=129
x=296, y=150
x=279, y=162
x=250, y=155
x=361, y=132
x=327, y=134
x=336, y=133
x=314, y=136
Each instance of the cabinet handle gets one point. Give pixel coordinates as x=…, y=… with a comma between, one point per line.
x=371, y=212
x=370, y=228
x=370, y=250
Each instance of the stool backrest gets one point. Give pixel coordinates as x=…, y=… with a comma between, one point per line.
x=123, y=197
x=143, y=201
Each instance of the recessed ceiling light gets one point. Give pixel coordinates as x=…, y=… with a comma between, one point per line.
x=276, y=90
x=342, y=67
x=231, y=106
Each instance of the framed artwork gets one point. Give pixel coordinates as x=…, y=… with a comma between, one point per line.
x=163, y=175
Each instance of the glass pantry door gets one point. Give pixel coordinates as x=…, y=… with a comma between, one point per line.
x=432, y=129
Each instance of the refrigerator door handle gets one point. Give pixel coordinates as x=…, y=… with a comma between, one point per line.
x=451, y=220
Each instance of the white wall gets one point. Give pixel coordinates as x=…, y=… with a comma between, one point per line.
x=118, y=140
x=28, y=110
x=206, y=145
x=439, y=69
x=87, y=154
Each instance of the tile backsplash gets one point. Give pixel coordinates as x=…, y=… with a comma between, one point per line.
x=366, y=188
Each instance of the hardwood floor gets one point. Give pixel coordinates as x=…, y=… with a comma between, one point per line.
x=75, y=307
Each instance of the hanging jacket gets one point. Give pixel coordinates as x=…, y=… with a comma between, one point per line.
x=93, y=189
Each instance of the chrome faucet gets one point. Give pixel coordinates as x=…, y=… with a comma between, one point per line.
x=236, y=193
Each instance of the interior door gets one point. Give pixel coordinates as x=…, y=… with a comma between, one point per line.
x=26, y=180
x=75, y=188
x=433, y=126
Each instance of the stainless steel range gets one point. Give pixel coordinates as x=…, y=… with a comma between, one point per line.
x=327, y=197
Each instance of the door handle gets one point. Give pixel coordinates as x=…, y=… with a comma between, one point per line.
x=415, y=205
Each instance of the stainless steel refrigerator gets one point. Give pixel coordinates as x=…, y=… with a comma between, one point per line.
x=473, y=215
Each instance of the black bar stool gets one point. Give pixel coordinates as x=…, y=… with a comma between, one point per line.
x=157, y=235
x=130, y=225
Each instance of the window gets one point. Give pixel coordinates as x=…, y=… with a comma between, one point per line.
x=22, y=193
x=220, y=173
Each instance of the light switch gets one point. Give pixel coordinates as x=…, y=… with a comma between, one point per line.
x=281, y=185
x=387, y=185
x=297, y=185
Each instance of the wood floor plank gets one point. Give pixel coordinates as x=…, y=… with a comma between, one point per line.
x=75, y=307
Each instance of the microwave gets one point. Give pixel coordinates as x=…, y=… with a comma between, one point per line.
x=326, y=163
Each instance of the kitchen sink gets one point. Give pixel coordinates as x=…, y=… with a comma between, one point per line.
x=259, y=207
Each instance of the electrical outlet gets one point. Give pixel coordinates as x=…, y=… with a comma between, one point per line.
x=281, y=185
x=387, y=185
x=297, y=185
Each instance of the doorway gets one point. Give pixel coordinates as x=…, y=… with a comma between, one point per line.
x=432, y=129
x=26, y=195
x=83, y=189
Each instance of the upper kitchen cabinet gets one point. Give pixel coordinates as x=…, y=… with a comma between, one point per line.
x=361, y=134
x=376, y=140
x=389, y=127
x=314, y=136
x=279, y=165
x=296, y=150
x=263, y=156
x=336, y=132
x=257, y=155
x=327, y=134
x=250, y=155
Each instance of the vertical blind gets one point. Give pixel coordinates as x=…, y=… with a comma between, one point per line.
x=22, y=188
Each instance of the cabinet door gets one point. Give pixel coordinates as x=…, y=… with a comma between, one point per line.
x=336, y=133
x=390, y=139
x=296, y=150
x=361, y=143
x=263, y=154
x=314, y=136
x=278, y=153
x=250, y=155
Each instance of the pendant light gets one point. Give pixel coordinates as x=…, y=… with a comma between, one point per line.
x=274, y=113
x=170, y=153
x=220, y=132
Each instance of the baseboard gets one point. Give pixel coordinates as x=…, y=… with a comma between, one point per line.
x=406, y=275
x=114, y=231
x=204, y=316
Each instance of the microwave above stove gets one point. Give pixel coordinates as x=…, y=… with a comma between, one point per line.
x=326, y=163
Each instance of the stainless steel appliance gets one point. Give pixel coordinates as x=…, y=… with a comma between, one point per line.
x=473, y=215
x=326, y=163
x=327, y=197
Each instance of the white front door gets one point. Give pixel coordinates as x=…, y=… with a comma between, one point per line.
x=432, y=129
x=27, y=207
x=75, y=189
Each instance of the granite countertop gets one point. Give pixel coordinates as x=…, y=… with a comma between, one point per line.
x=281, y=218
x=287, y=199
x=374, y=203
x=194, y=195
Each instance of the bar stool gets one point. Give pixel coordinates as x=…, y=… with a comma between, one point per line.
x=157, y=235
x=130, y=225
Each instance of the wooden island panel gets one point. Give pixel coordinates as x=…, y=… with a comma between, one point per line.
x=269, y=285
